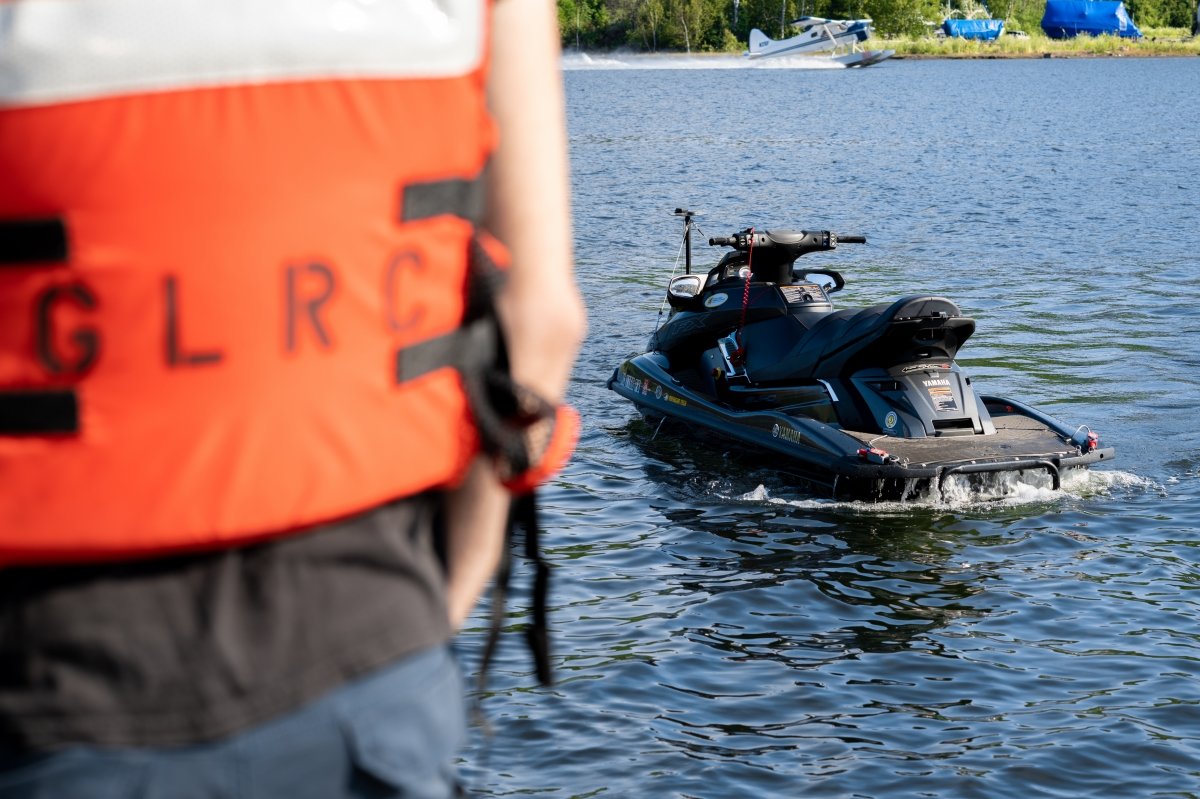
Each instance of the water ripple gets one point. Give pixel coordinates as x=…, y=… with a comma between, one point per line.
x=720, y=633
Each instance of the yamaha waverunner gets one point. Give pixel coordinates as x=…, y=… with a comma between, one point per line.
x=867, y=403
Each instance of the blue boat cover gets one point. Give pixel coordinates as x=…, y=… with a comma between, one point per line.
x=984, y=29
x=1066, y=19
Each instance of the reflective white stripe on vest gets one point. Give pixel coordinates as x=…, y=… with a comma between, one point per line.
x=62, y=50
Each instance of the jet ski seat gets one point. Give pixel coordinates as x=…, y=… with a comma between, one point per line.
x=909, y=329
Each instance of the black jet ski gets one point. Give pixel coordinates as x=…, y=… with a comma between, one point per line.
x=865, y=402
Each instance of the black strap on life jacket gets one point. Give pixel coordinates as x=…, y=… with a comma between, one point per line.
x=504, y=412
x=38, y=243
x=537, y=634
x=28, y=242
x=506, y=416
x=523, y=529
x=38, y=413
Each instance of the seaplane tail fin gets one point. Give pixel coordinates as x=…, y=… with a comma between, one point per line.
x=758, y=42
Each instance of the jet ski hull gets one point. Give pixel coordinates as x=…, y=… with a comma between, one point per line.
x=867, y=401
x=855, y=464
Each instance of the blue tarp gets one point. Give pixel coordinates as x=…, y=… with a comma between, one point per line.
x=985, y=29
x=1066, y=19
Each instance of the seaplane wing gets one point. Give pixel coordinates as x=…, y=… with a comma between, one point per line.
x=804, y=23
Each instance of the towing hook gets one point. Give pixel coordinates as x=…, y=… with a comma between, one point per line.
x=876, y=455
x=1086, y=439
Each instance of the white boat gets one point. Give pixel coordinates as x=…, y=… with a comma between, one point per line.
x=817, y=35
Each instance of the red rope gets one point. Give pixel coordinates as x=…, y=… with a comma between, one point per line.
x=740, y=355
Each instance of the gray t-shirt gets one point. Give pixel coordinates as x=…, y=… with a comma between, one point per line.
x=182, y=650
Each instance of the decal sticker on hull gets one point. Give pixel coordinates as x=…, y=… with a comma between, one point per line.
x=786, y=433
x=713, y=300
x=630, y=382
x=941, y=394
x=646, y=387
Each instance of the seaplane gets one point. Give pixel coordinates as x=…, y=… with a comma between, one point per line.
x=817, y=35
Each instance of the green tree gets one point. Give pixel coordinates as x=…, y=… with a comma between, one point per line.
x=1161, y=13
x=1022, y=15
x=585, y=23
x=903, y=17
x=693, y=25
x=769, y=16
x=647, y=24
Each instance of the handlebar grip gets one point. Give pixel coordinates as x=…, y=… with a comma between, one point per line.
x=852, y=239
x=721, y=241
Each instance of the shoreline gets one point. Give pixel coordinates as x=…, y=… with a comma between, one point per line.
x=1038, y=55
x=1035, y=47
x=903, y=56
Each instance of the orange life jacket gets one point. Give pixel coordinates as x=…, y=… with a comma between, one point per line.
x=237, y=244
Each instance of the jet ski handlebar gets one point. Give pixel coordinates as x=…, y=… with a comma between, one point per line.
x=773, y=252
x=789, y=244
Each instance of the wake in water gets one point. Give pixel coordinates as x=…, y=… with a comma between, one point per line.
x=577, y=61
x=962, y=492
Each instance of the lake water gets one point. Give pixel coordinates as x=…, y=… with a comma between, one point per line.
x=718, y=633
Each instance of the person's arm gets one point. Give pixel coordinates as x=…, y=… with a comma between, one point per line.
x=540, y=307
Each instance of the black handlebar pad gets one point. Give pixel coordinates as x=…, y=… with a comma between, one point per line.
x=797, y=243
x=774, y=251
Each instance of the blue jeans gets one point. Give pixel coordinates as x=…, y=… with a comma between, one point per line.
x=395, y=732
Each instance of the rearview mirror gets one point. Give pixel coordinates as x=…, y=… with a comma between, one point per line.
x=828, y=279
x=824, y=281
x=683, y=289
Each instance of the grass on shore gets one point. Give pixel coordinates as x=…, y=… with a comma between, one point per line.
x=1155, y=42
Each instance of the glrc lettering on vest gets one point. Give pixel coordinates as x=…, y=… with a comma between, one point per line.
x=174, y=350
x=86, y=339
x=393, y=296
x=205, y=321
x=318, y=281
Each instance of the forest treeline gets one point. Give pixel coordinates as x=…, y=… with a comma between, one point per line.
x=724, y=25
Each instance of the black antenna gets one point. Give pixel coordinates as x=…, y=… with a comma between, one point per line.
x=687, y=238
